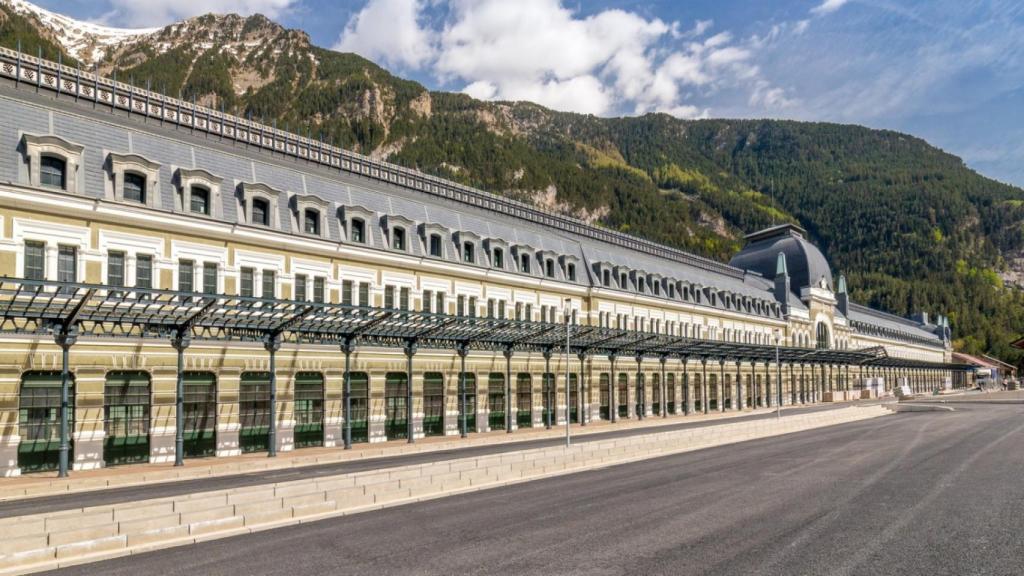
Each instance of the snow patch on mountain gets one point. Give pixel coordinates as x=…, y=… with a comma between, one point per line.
x=85, y=41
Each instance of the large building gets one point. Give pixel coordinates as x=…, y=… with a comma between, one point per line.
x=198, y=276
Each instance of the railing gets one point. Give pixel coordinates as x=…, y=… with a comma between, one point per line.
x=82, y=85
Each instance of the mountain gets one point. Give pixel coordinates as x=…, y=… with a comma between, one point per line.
x=911, y=226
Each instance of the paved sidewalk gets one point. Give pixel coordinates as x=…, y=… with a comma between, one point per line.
x=41, y=492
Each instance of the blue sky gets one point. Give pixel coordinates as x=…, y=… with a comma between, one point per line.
x=950, y=71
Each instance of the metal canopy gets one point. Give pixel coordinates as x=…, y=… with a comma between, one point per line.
x=35, y=307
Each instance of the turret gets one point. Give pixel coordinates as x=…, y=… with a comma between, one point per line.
x=782, y=283
x=842, y=297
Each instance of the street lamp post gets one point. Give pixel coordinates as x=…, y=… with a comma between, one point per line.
x=778, y=377
x=568, y=304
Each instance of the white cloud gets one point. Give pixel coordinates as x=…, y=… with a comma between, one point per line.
x=828, y=6
x=148, y=13
x=389, y=32
x=609, y=62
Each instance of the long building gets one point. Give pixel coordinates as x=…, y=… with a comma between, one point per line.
x=190, y=277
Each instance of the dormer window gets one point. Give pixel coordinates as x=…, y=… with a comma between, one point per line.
x=198, y=192
x=358, y=232
x=260, y=212
x=199, y=200
x=570, y=272
x=435, y=246
x=640, y=285
x=623, y=281
x=549, y=268
x=498, y=258
x=52, y=172
x=524, y=263
x=398, y=239
x=51, y=162
x=134, y=187
x=606, y=278
x=657, y=288
x=311, y=221
x=468, y=252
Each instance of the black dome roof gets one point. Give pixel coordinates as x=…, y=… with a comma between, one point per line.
x=806, y=264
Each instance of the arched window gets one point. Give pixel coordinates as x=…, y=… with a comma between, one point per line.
x=311, y=221
x=358, y=232
x=260, y=212
x=52, y=172
x=823, y=336
x=134, y=187
x=199, y=200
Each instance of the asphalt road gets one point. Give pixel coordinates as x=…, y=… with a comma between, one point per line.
x=927, y=493
x=43, y=504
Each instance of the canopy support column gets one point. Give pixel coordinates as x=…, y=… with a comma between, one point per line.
x=740, y=401
x=705, y=404
x=613, y=405
x=410, y=427
x=720, y=389
x=462, y=350
x=664, y=388
x=583, y=402
x=347, y=347
x=548, y=383
x=640, y=385
x=65, y=338
x=272, y=343
x=180, y=342
x=508, y=351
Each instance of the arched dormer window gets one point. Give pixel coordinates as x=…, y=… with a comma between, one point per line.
x=311, y=221
x=549, y=268
x=469, y=252
x=198, y=192
x=498, y=258
x=570, y=272
x=436, y=247
x=260, y=212
x=51, y=162
x=398, y=239
x=134, y=187
x=524, y=263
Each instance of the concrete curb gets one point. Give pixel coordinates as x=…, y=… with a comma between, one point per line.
x=58, y=539
x=919, y=408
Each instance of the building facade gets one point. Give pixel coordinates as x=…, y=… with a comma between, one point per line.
x=115, y=188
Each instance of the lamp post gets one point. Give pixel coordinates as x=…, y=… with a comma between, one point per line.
x=568, y=304
x=778, y=376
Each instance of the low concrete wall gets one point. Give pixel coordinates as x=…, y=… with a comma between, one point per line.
x=51, y=540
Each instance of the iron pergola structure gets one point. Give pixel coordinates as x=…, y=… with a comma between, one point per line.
x=67, y=311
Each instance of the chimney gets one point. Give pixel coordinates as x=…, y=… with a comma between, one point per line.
x=782, y=283
x=842, y=297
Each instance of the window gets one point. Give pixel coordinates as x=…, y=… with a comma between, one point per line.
x=134, y=187
x=358, y=233
x=67, y=264
x=543, y=312
x=490, y=307
x=519, y=310
x=528, y=313
x=209, y=278
x=427, y=297
x=115, y=269
x=185, y=276
x=300, y=286
x=435, y=245
x=246, y=281
x=501, y=309
x=657, y=288
x=52, y=172
x=318, y=288
x=467, y=252
x=570, y=271
x=549, y=268
x=460, y=306
x=524, y=263
x=144, y=271
x=440, y=309
x=199, y=200
x=35, y=260
x=364, y=293
x=311, y=221
x=822, y=333
x=269, y=284
x=640, y=285
x=498, y=260
x=346, y=292
x=398, y=238
x=389, y=297
x=472, y=306
x=623, y=281
x=606, y=278
x=403, y=299
x=260, y=212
